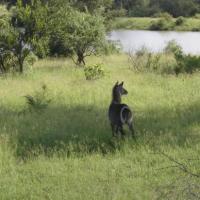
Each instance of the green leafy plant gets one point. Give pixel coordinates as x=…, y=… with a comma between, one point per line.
x=180, y=20
x=38, y=101
x=173, y=48
x=144, y=60
x=164, y=23
x=94, y=72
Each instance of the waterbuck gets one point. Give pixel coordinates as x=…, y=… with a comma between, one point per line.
x=119, y=114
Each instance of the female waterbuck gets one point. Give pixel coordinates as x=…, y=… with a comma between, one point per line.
x=119, y=114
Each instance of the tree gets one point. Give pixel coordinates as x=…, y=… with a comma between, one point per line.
x=24, y=31
x=74, y=32
x=85, y=34
x=179, y=7
x=7, y=39
x=32, y=18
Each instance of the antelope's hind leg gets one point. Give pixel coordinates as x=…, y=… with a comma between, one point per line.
x=113, y=127
x=120, y=128
x=130, y=125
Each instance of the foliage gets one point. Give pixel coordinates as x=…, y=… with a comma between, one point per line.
x=187, y=63
x=165, y=15
x=141, y=8
x=94, y=72
x=39, y=101
x=5, y=40
x=24, y=30
x=77, y=34
x=180, y=20
x=111, y=47
x=137, y=8
x=92, y=6
x=145, y=23
x=164, y=23
x=32, y=19
x=173, y=47
x=143, y=60
x=31, y=59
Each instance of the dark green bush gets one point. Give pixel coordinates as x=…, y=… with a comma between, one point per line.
x=39, y=100
x=162, y=24
x=180, y=20
x=187, y=63
x=144, y=60
x=173, y=48
x=165, y=15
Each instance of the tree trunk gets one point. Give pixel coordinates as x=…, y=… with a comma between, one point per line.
x=2, y=66
x=21, y=69
x=80, y=59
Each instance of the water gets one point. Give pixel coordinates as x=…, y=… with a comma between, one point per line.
x=156, y=41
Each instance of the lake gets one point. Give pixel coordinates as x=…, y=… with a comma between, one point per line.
x=156, y=41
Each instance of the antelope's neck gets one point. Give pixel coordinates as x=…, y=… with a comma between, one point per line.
x=116, y=99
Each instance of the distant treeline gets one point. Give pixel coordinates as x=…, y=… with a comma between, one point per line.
x=151, y=7
x=137, y=8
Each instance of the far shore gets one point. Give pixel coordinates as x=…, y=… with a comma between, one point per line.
x=150, y=23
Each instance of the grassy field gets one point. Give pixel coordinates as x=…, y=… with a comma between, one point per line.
x=67, y=151
x=145, y=23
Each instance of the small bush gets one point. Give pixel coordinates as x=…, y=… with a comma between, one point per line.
x=196, y=29
x=117, y=13
x=165, y=15
x=142, y=51
x=111, y=47
x=143, y=60
x=180, y=20
x=38, y=101
x=162, y=24
x=173, y=48
x=94, y=72
x=31, y=59
x=7, y=61
x=187, y=63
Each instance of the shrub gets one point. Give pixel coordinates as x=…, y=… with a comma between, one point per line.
x=173, y=48
x=7, y=61
x=118, y=13
x=143, y=60
x=142, y=51
x=165, y=15
x=38, y=101
x=180, y=20
x=187, y=63
x=162, y=24
x=196, y=29
x=111, y=47
x=94, y=72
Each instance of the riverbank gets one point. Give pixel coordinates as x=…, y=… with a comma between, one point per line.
x=148, y=23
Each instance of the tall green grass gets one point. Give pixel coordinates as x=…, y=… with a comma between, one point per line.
x=67, y=151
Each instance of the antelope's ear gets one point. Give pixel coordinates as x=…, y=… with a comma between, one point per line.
x=116, y=83
x=122, y=83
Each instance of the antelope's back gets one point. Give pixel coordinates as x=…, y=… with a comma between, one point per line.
x=115, y=113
